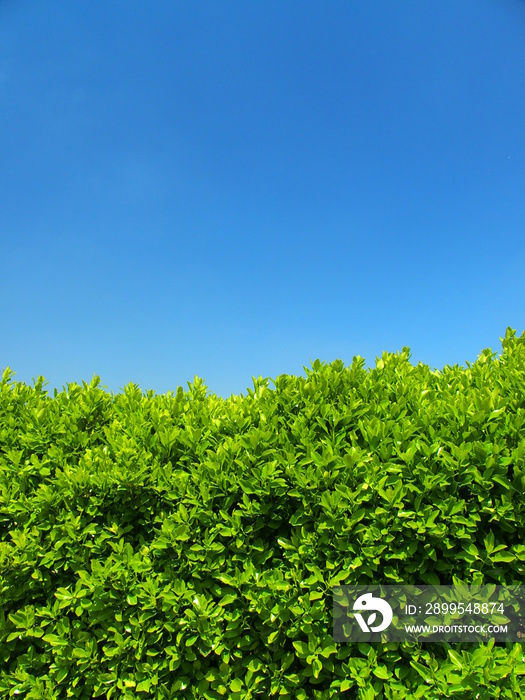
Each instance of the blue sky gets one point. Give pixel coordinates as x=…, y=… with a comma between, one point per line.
x=234, y=189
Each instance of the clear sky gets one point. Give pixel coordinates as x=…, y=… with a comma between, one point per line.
x=233, y=189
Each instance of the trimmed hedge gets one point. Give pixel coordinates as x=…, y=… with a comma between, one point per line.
x=185, y=546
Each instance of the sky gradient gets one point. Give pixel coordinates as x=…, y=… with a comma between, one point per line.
x=234, y=189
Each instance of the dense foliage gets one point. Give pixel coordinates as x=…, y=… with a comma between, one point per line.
x=185, y=546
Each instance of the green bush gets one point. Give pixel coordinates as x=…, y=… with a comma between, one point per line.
x=185, y=546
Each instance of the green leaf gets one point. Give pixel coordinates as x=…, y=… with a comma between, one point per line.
x=302, y=649
x=423, y=672
x=328, y=650
x=480, y=657
x=317, y=667
x=273, y=636
x=503, y=556
x=255, y=665
x=382, y=672
x=489, y=542
x=236, y=685
x=54, y=640
x=500, y=480
x=61, y=675
x=347, y=684
x=227, y=599
x=456, y=659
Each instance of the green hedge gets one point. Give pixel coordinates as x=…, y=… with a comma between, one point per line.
x=185, y=546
